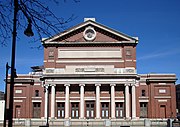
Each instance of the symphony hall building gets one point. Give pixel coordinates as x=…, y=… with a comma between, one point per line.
x=90, y=72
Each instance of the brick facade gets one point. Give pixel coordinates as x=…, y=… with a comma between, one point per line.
x=96, y=79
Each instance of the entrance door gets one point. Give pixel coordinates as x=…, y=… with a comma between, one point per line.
x=60, y=110
x=162, y=111
x=143, y=110
x=119, y=110
x=90, y=109
x=36, y=110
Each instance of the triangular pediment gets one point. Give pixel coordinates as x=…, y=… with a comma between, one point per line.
x=76, y=34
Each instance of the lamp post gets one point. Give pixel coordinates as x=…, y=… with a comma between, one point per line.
x=5, y=95
x=14, y=33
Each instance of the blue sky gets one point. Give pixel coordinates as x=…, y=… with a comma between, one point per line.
x=155, y=22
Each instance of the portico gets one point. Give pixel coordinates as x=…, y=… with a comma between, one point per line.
x=95, y=99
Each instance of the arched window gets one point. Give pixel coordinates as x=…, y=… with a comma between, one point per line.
x=143, y=93
x=36, y=93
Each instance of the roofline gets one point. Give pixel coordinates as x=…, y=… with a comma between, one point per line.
x=92, y=23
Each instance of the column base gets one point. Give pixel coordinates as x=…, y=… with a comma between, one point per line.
x=128, y=118
x=135, y=118
x=82, y=118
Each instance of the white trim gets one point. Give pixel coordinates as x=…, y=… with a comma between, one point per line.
x=142, y=97
x=50, y=61
x=75, y=97
x=60, y=97
x=37, y=84
x=105, y=97
x=143, y=100
x=162, y=100
x=129, y=60
x=60, y=100
x=74, y=100
x=36, y=100
x=162, y=83
x=89, y=98
x=90, y=81
x=18, y=100
x=84, y=24
x=19, y=97
x=18, y=84
x=18, y=91
x=119, y=97
x=119, y=101
x=90, y=61
x=105, y=101
x=161, y=97
x=36, y=97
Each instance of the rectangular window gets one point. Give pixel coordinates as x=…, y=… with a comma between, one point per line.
x=74, y=110
x=143, y=110
x=119, y=110
x=17, y=111
x=90, y=109
x=128, y=53
x=36, y=93
x=36, y=110
x=105, y=110
x=51, y=53
x=60, y=110
x=143, y=93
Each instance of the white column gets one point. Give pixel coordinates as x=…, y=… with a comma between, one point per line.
x=127, y=100
x=113, y=101
x=67, y=101
x=53, y=101
x=46, y=100
x=133, y=101
x=81, y=101
x=97, y=101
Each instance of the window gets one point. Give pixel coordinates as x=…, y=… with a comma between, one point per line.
x=143, y=110
x=105, y=110
x=36, y=93
x=90, y=109
x=119, y=110
x=36, y=110
x=51, y=53
x=143, y=93
x=128, y=53
x=60, y=110
x=17, y=111
x=75, y=110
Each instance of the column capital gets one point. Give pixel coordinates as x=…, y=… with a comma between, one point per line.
x=113, y=84
x=98, y=84
x=133, y=84
x=127, y=84
x=53, y=84
x=66, y=84
x=81, y=84
x=46, y=84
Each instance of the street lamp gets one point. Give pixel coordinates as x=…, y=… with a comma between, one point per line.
x=5, y=95
x=14, y=33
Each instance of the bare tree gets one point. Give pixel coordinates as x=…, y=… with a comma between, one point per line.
x=36, y=12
